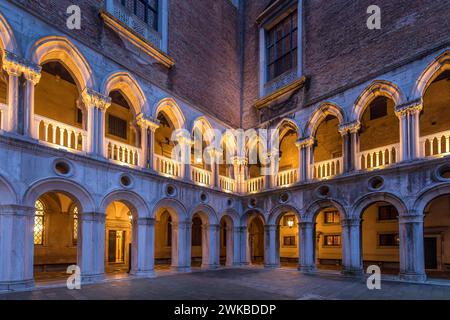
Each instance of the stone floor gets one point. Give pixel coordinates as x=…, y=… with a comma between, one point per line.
x=238, y=284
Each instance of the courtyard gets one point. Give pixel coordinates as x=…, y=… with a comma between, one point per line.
x=237, y=284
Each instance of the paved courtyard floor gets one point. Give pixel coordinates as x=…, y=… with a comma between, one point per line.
x=238, y=284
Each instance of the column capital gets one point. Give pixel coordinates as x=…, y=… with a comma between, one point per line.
x=145, y=221
x=411, y=107
x=305, y=142
x=147, y=122
x=240, y=160
x=415, y=218
x=214, y=152
x=93, y=216
x=16, y=210
x=349, y=127
x=351, y=222
x=271, y=227
x=184, y=138
x=15, y=66
x=306, y=224
x=92, y=98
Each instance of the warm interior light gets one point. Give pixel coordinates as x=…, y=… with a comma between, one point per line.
x=291, y=223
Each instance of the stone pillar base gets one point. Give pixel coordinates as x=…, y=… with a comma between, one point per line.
x=415, y=277
x=272, y=266
x=353, y=272
x=16, y=285
x=144, y=274
x=306, y=269
x=180, y=269
x=244, y=264
x=92, y=278
x=209, y=266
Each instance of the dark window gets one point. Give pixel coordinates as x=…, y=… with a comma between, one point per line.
x=387, y=213
x=332, y=241
x=79, y=116
x=196, y=232
x=289, y=241
x=146, y=10
x=389, y=240
x=282, y=46
x=378, y=108
x=117, y=127
x=331, y=217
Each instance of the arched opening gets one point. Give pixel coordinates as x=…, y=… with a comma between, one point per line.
x=288, y=158
x=166, y=241
x=226, y=166
x=121, y=131
x=56, y=233
x=199, y=240
x=3, y=95
x=434, y=118
x=380, y=237
x=328, y=239
x=256, y=179
x=289, y=240
x=226, y=241
x=164, y=146
x=60, y=116
x=328, y=160
x=256, y=244
x=120, y=239
x=436, y=235
x=379, y=135
x=201, y=159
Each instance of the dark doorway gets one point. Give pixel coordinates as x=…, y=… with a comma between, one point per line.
x=431, y=253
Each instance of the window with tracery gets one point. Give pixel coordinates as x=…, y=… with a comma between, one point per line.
x=39, y=223
x=75, y=226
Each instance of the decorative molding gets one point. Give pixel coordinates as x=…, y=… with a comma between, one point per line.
x=148, y=122
x=283, y=91
x=15, y=66
x=305, y=142
x=95, y=99
x=351, y=127
x=412, y=107
x=136, y=39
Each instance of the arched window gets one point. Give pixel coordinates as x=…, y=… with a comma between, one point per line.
x=75, y=225
x=39, y=223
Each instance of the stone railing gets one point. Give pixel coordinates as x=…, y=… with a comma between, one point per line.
x=3, y=116
x=380, y=157
x=56, y=133
x=287, y=177
x=327, y=169
x=256, y=184
x=167, y=166
x=122, y=152
x=435, y=144
x=201, y=176
x=227, y=184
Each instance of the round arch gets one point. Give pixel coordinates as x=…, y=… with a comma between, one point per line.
x=232, y=214
x=8, y=194
x=427, y=196
x=250, y=214
x=439, y=65
x=128, y=85
x=376, y=89
x=57, y=48
x=314, y=209
x=171, y=109
x=7, y=38
x=133, y=201
x=208, y=211
x=325, y=109
x=277, y=213
x=366, y=201
x=79, y=194
x=176, y=209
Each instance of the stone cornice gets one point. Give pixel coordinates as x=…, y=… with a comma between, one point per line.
x=283, y=91
x=409, y=108
x=92, y=98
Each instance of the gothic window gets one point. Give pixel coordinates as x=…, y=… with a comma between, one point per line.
x=39, y=223
x=75, y=214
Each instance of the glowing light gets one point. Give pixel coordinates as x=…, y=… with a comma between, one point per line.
x=290, y=223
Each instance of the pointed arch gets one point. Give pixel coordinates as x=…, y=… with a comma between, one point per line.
x=325, y=109
x=129, y=87
x=7, y=38
x=205, y=127
x=433, y=70
x=172, y=110
x=57, y=48
x=287, y=124
x=376, y=89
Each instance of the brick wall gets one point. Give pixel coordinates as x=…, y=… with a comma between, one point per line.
x=339, y=48
x=202, y=41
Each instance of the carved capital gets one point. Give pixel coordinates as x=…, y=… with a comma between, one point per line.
x=351, y=127
x=240, y=161
x=413, y=107
x=95, y=99
x=147, y=122
x=16, y=66
x=305, y=142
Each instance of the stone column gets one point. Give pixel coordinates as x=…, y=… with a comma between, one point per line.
x=181, y=246
x=16, y=247
x=148, y=127
x=239, y=165
x=143, y=247
x=408, y=115
x=305, y=148
x=13, y=67
x=412, y=260
x=244, y=246
x=91, y=248
x=215, y=154
x=351, y=247
x=32, y=75
x=96, y=105
x=272, y=247
x=307, y=238
x=185, y=145
x=210, y=246
x=350, y=145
